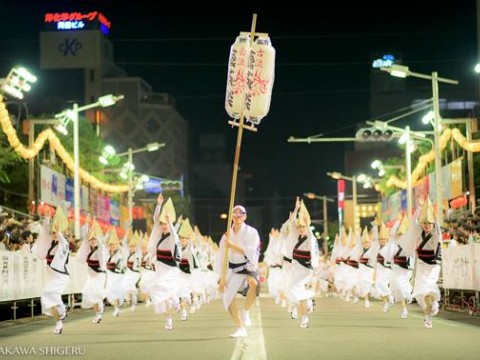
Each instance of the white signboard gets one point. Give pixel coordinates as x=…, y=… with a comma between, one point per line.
x=460, y=267
x=23, y=276
x=71, y=49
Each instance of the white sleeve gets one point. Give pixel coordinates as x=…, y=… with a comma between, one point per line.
x=251, y=246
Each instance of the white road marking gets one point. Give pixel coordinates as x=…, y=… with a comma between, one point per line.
x=252, y=347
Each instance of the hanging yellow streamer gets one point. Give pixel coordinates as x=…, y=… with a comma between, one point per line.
x=51, y=137
x=471, y=146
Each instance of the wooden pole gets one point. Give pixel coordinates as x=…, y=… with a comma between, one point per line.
x=235, y=170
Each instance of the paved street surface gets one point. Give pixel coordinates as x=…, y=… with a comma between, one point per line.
x=338, y=330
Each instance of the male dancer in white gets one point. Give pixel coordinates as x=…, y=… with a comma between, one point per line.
x=243, y=252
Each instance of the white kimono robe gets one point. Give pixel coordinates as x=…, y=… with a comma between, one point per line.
x=164, y=290
x=301, y=275
x=426, y=275
x=115, y=276
x=93, y=291
x=274, y=259
x=57, y=273
x=249, y=240
x=147, y=274
x=132, y=271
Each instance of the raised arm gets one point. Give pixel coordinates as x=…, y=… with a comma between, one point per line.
x=293, y=215
x=156, y=214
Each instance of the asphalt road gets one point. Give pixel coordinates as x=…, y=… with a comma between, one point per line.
x=338, y=330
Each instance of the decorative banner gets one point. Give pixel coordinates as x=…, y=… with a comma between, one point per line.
x=114, y=213
x=446, y=181
x=52, y=188
x=103, y=208
x=84, y=198
x=341, y=201
x=69, y=190
x=403, y=200
x=421, y=189
x=93, y=202
x=456, y=178
x=395, y=204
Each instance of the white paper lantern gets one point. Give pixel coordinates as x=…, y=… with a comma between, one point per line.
x=260, y=76
x=237, y=76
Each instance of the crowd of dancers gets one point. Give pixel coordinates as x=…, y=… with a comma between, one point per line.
x=171, y=268
x=177, y=270
x=393, y=265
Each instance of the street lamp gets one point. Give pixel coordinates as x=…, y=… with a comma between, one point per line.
x=150, y=147
x=72, y=114
x=353, y=179
x=368, y=182
x=17, y=82
x=405, y=139
x=107, y=152
x=404, y=71
x=324, y=198
x=381, y=167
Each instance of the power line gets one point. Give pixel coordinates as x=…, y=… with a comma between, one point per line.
x=297, y=37
x=280, y=64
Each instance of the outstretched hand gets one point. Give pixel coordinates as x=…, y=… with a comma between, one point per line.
x=298, y=202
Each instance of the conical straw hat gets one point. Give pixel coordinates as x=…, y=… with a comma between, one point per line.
x=426, y=213
x=344, y=238
x=383, y=231
x=167, y=208
x=353, y=236
x=365, y=236
x=186, y=230
x=61, y=219
x=97, y=230
x=303, y=216
x=113, y=238
x=134, y=239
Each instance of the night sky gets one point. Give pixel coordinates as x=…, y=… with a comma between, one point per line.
x=322, y=68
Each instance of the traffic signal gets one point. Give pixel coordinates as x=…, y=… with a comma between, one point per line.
x=374, y=134
x=171, y=185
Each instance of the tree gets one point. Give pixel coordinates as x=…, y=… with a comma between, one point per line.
x=8, y=157
x=13, y=182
